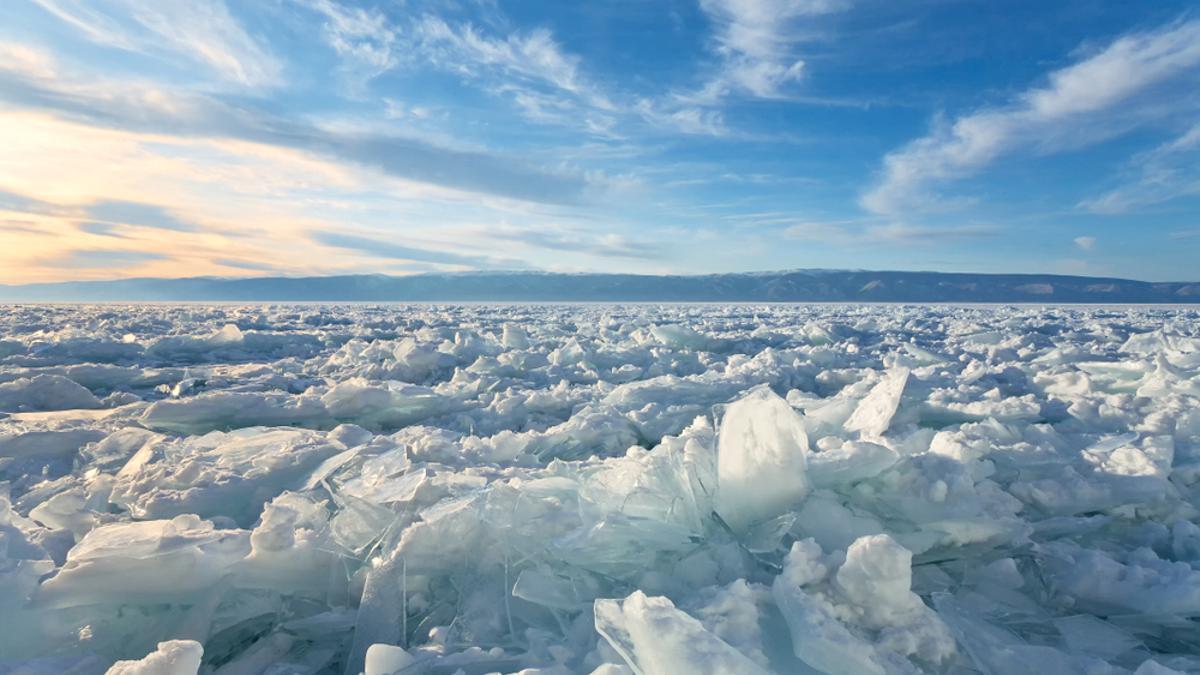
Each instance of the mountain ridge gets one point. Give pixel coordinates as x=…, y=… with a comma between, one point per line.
x=818, y=285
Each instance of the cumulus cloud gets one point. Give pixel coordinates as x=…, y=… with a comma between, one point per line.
x=1085, y=243
x=1077, y=105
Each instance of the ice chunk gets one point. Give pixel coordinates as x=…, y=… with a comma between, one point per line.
x=1152, y=667
x=1143, y=582
x=115, y=449
x=834, y=525
x=819, y=639
x=259, y=656
x=996, y=650
x=153, y=561
x=227, y=474
x=1087, y=635
x=655, y=638
x=874, y=413
x=289, y=549
x=390, y=404
x=45, y=392
x=381, y=613
x=514, y=337
x=852, y=462
x=46, y=444
x=864, y=619
x=174, y=657
x=678, y=336
x=761, y=459
x=877, y=575
x=383, y=659
x=233, y=410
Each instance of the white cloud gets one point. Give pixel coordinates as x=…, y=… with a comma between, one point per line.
x=575, y=240
x=365, y=38
x=155, y=109
x=31, y=62
x=691, y=120
x=1076, y=106
x=848, y=232
x=542, y=79
x=756, y=40
x=1167, y=172
x=394, y=109
x=199, y=30
x=534, y=56
x=1085, y=243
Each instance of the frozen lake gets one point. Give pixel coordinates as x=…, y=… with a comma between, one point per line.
x=614, y=489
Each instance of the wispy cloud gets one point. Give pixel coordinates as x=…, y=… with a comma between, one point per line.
x=684, y=119
x=534, y=56
x=1085, y=243
x=606, y=246
x=104, y=259
x=849, y=232
x=1063, y=113
x=248, y=265
x=365, y=38
x=13, y=201
x=203, y=31
x=382, y=248
x=531, y=69
x=756, y=40
x=104, y=215
x=135, y=213
x=19, y=227
x=1167, y=172
x=149, y=108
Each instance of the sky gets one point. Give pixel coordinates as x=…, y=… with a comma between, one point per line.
x=232, y=138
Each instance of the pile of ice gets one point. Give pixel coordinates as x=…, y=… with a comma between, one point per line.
x=653, y=490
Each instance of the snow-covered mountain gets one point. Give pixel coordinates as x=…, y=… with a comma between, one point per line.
x=787, y=286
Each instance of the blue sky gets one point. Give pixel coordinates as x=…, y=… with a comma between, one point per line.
x=214, y=137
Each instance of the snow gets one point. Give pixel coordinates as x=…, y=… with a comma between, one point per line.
x=603, y=489
x=655, y=637
x=173, y=657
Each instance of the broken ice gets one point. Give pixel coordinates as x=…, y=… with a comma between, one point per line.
x=649, y=489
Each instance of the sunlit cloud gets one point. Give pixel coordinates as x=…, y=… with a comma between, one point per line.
x=308, y=137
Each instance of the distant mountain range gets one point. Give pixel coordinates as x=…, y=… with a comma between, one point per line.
x=789, y=286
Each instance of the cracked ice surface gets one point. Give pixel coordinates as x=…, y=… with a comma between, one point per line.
x=644, y=489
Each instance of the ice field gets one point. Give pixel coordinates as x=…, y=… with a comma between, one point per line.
x=599, y=489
